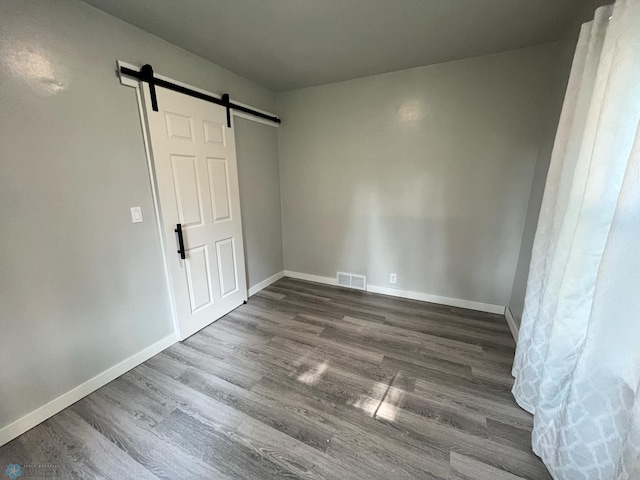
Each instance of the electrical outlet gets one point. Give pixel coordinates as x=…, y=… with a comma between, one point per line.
x=393, y=278
x=136, y=215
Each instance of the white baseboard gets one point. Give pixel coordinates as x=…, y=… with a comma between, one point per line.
x=311, y=278
x=56, y=405
x=511, y=321
x=265, y=283
x=425, y=297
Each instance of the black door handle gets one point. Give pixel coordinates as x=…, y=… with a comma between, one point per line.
x=181, y=251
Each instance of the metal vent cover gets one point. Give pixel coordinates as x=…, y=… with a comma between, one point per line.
x=352, y=280
x=344, y=279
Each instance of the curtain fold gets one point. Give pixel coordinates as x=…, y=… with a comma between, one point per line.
x=577, y=364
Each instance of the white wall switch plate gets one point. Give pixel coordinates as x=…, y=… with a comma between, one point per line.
x=393, y=278
x=136, y=215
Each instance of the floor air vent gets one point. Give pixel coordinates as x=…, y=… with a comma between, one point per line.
x=351, y=280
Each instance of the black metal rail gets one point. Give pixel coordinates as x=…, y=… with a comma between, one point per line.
x=146, y=75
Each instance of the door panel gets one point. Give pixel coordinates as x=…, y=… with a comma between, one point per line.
x=198, y=280
x=213, y=133
x=227, y=266
x=179, y=126
x=196, y=176
x=185, y=182
x=219, y=184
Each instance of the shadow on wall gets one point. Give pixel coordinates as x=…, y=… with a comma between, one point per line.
x=424, y=173
x=421, y=232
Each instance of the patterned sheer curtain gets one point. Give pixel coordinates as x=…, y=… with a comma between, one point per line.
x=577, y=363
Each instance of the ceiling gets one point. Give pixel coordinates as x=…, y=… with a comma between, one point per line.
x=289, y=44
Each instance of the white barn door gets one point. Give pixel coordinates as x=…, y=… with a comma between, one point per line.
x=194, y=159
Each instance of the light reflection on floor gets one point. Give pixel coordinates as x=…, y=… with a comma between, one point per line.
x=313, y=375
x=382, y=403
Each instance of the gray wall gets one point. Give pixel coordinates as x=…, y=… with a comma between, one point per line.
x=257, y=149
x=561, y=70
x=81, y=287
x=424, y=172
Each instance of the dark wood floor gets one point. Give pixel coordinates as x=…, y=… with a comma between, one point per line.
x=306, y=381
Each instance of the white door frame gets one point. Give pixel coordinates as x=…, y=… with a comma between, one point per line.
x=134, y=83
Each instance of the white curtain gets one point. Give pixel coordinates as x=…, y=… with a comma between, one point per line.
x=577, y=364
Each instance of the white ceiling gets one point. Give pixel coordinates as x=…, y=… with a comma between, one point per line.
x=289, y=44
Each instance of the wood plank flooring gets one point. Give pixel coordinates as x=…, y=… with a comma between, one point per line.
x=305, y=381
